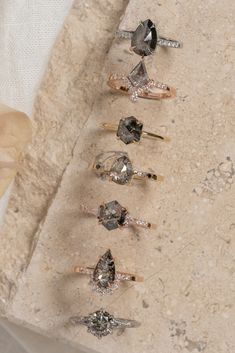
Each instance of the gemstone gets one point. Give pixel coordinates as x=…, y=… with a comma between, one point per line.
x=144, y=39
x=112, y=215
x=129, y=130
x=121, y=171
x=138, y=76
x=104, y=272
x=100, y=323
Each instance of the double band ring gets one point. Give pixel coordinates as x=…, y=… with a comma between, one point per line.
x=117, y=167
x=130, y=130
x=104, y=278
x=145, y=39
x=112, y=215
x=138, y=84
x=100, y=323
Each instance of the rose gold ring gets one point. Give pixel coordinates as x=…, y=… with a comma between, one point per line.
x=138, y=85
x=104, y=278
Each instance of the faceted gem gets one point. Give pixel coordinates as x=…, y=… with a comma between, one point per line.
x=144, y=39
x=99, y=323
x=104, y=272
x=121, y=171
x=138, y=76
x=112, y=215
x=129, y=130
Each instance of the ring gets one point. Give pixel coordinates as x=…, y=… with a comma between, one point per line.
x=112, y=216
x=130, y=130
x=138, y=84
x=104, y=277
x=100, y=323
x=117, y=167
x=145, y=39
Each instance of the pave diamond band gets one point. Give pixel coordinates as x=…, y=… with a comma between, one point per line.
x=145, y=39
x=100, y=323
x=162, y=42
x=104, y=278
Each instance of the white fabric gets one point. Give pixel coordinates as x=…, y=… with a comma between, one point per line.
x=28, y=29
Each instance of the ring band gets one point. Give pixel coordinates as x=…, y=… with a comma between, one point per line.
x=137, y=84
x=112, y=216
x=145, y=39
x=162, y=42
x=116, y=166
x=130, y=130
x=100, y=323
x=121, y=276
x=104, y=277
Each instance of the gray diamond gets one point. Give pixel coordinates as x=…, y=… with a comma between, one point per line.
x=144, y=39
x=138, y=76
x=112, y=215
x=121, y=171
x=104, y=272
x=129, y=130
x=100, y=323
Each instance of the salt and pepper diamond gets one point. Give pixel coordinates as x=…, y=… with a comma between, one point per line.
x=112, y=215
x=129, y=130
x=100, y=323
x=139, y=81
x=144, y=38
x=104, y=273
x=122, y=170
x=138, y=76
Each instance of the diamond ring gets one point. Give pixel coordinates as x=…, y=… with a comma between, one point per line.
x=145, y=39
x=101, y=323
x=138, y=84
x=117, y=167
x=104, y=278
x=112, y=216
x=130, y=130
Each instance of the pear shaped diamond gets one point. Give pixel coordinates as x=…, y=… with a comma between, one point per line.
x=104, y=272
x=144, y=39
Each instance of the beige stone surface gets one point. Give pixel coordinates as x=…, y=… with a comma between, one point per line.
x=186, y=303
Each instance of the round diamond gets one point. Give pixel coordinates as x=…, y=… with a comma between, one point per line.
x=144, y=39
x=100, y=323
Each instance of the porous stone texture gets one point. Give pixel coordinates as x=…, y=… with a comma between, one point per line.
x=186, y=303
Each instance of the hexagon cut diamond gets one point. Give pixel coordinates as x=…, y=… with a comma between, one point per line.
x=112, y=215
x=129, y=130
x=104, y=272
x=144, y=39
